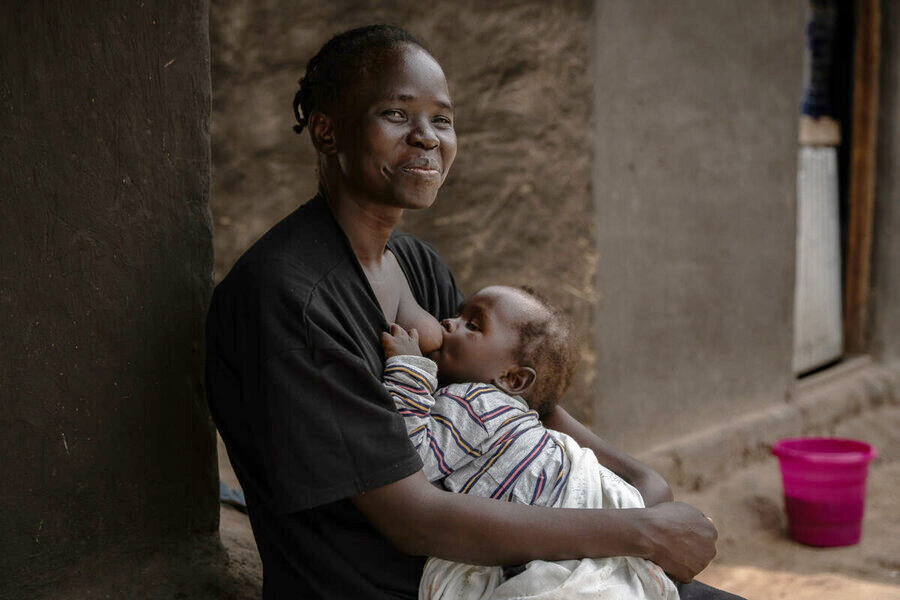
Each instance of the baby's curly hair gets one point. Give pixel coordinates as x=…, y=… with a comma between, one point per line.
x=548, y=345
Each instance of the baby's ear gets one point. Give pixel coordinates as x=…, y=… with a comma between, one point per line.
x=517, y=381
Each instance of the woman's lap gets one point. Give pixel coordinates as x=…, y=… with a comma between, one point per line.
x=696, y=590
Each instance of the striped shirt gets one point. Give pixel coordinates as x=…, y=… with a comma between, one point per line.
x=475, y=439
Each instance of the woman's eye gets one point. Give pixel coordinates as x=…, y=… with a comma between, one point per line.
x=443, y=121
x=394, y=115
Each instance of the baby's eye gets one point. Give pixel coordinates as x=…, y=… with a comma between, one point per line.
x=472, y=325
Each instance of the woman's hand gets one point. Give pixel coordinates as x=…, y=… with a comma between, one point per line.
x=400, y=343
x=682, y=540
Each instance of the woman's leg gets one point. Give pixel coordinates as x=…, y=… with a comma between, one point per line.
x=700, y=591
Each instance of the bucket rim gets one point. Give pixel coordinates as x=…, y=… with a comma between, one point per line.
x=782, y=449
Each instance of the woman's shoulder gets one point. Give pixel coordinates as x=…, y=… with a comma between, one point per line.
x=298, y=251
x=308, y=238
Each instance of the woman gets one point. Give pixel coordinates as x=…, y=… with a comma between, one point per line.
x=337, y=500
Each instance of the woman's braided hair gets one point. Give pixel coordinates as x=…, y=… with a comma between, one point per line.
x=340, y=62
x=548, y=345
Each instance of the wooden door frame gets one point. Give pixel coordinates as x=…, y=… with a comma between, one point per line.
x=866, y=60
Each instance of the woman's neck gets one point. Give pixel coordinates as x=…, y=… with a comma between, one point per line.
x=367, y=225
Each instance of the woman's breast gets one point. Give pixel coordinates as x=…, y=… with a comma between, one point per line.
x=412, y=316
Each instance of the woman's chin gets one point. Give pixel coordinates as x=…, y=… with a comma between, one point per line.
x=417, y=197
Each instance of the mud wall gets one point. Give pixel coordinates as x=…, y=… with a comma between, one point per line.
x=105, y=260
x=516, y=207
x=884, y=322
x=696, y=109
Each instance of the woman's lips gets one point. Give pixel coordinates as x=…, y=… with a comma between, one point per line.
x=422, y=172
x=422, y=167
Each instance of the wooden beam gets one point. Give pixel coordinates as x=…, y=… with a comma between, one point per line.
x=862, y=173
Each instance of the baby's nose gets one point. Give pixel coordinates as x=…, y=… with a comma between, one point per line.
x=447, y=324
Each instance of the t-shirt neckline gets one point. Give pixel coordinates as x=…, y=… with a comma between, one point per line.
x=401, y=260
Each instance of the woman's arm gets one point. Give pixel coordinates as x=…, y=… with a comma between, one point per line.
x=649, y=483
x=420, y=519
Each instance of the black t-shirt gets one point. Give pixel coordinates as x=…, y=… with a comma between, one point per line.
x=293, y=375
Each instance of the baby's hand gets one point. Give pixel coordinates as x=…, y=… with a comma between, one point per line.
x=398, y=342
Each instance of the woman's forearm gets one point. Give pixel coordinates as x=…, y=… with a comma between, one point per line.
x=653, y=487
x=484, y=531
x=421, y=519
x=479, y=530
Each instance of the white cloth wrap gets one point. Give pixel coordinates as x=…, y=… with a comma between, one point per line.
x=590, y=485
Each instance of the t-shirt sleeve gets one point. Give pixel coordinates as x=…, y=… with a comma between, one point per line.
x=319, y=422
x=325, y=436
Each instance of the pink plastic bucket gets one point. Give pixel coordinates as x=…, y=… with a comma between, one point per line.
x=824, y=488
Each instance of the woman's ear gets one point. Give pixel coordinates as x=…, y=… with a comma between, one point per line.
x=516, y=381
x=321, y=129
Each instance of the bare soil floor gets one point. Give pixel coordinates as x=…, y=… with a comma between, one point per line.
x=756, y=558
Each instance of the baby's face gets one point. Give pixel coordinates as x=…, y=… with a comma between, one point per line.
x=480, y=343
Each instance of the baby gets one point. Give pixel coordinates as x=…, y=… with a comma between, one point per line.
x=505, y=360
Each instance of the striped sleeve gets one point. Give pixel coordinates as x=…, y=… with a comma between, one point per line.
x=445, y=429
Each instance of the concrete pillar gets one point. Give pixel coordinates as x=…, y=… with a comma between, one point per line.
x=696, y=108
x=108, y=455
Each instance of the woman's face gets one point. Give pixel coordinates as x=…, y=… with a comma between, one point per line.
x=395, y=139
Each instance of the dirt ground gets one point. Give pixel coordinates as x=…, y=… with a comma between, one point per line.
x=756, y=558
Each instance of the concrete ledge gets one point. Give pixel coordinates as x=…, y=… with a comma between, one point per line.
x=817, y=404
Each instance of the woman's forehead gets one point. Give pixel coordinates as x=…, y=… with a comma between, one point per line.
x=403, y=73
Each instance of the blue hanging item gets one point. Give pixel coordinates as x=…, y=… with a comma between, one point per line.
x=820, y=43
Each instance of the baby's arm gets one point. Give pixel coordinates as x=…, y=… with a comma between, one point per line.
x=435, y=423
x=411, y=384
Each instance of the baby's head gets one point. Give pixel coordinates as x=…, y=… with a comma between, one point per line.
x=513, y=339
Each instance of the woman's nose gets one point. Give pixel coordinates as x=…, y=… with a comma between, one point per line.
x=423, y=135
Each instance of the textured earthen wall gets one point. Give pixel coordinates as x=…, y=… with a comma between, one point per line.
x=696, y=110
x=105, y=260
x=516, y=207
x=884, y=322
